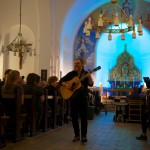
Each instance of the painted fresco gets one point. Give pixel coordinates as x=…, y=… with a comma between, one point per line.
x=84, y=47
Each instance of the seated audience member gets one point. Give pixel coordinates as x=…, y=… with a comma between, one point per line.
x=54, y=91
x=3, y=81
x=52, y=85
x=134, y=94
x=145, y=116
x=43, y=84
x=32, y=82
x=11, y=83
x=5, y=75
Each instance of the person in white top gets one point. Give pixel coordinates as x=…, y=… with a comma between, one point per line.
x=100, y=90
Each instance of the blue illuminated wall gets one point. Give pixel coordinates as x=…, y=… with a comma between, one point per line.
x=108, y=51
x=104, y=53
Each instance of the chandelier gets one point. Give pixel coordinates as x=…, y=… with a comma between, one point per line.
x=19, y=45
x=113, y=20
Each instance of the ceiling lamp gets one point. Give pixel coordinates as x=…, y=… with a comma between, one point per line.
x=19, y=45
x=112, y=20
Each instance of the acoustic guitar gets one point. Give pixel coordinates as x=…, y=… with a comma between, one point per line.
x=76, y=84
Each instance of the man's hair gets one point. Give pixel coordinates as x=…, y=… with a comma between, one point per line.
x=81, y=60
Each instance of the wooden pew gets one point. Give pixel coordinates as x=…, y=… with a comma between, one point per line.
x=50, y=114
x=3, y=124
x=58, y=113
x=60, y=110
x=15, y=125
x=47, y=119
x=52, y=117
x=32, y=116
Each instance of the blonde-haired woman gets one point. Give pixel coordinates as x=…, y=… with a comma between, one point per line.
x=11, y=83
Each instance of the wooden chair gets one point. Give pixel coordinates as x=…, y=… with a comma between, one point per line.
x=62, y=110
x=135, y=110
x=15, y=125
x=59, y=111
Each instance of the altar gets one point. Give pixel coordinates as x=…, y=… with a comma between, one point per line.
x=125, y=74
x=119, y=91
x=126, y=84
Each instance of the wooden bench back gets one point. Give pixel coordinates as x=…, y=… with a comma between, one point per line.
x=12, y=108
x=30, y=109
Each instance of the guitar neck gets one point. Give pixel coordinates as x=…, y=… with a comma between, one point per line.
x=83, y=77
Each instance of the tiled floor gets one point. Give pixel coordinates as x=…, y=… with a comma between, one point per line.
x=103, y=134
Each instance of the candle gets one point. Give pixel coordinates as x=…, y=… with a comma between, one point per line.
x=133, y=81
x=115, y=81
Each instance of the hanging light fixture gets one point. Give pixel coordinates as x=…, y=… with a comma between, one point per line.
x=113, y=20
x=19, y=45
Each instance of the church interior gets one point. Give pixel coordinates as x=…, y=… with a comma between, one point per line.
x=110, y=36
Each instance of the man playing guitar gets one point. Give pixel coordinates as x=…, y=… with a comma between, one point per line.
x=78, y=98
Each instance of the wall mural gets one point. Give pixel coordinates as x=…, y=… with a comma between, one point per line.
x=85, y=47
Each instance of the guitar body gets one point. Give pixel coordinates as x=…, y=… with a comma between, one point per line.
x=66, y=93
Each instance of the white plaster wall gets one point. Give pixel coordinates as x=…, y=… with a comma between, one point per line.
x=59, y=10
x=42, y=24
x=9, y=16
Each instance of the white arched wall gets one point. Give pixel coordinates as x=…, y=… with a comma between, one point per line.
x=44, y=19
x=73, y=20
x=10, y=29
x=36, y=21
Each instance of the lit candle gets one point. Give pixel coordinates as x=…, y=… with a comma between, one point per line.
x=133, y=81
